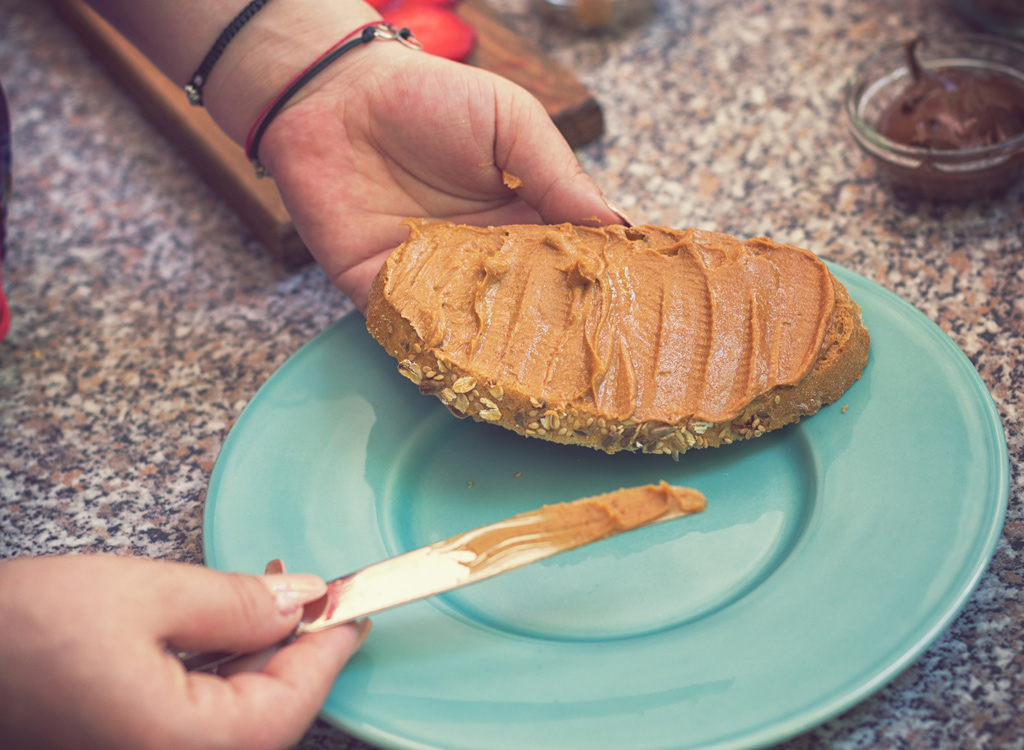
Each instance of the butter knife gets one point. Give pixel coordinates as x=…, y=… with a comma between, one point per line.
x=482, y=553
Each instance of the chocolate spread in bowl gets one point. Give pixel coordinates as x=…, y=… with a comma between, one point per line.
x=954, y=108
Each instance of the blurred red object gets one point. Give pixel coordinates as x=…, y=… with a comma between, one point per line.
x=434, y=23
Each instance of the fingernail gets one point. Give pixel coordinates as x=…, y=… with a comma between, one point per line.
x=292, y=590
x=275, y=566
x=618, y=212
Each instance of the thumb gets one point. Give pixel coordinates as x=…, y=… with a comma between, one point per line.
x=214, y=611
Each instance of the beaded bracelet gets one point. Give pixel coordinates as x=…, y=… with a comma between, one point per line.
x=357, y=38
x=194, y=88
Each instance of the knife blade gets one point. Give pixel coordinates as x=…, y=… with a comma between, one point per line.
x=479, y=554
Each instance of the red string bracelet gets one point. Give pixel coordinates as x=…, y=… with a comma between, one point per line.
x=363, y=35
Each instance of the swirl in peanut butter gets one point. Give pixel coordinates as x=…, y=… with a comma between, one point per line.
x=565, y=526
x=652, y=324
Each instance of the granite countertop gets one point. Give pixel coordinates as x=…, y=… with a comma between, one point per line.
x=145, y=315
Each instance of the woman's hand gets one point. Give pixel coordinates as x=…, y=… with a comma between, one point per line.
x=388, y=133
x=86, y=662
x=383, y=134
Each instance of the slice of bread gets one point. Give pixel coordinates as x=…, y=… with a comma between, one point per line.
x=642, y=339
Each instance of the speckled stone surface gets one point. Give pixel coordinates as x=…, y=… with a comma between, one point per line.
x=146, y=315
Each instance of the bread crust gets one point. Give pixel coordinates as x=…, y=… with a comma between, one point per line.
x=841, y=360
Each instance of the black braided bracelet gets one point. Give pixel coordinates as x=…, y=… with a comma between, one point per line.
x=194, y=88
x=367, y=35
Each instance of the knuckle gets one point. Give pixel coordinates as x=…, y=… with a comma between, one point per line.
x=250, y=598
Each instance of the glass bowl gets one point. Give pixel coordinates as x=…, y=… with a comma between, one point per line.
x=944, y=174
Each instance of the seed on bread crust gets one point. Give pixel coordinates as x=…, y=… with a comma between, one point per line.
x=464, y=384
x=411, y=370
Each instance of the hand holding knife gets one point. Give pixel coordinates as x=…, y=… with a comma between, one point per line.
x=479, y=554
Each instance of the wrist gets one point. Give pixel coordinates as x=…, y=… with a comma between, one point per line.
x=274, y=47
x=315, y=75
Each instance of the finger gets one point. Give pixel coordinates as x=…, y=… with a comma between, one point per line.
x=313, y=661
x=530, y=149
x=202, y=609
x=273, y=708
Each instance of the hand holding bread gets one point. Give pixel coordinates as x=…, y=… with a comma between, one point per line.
x=418, y=136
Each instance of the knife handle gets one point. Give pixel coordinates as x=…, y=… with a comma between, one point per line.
x=206, y=661
x=212, y=661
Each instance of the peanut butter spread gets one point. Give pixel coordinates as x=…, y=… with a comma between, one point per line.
x=635, y=324
x=565, y=526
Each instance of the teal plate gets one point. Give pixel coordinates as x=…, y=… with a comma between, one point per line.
x=832, y=552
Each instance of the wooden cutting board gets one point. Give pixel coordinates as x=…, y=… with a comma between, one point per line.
x=222, y=162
